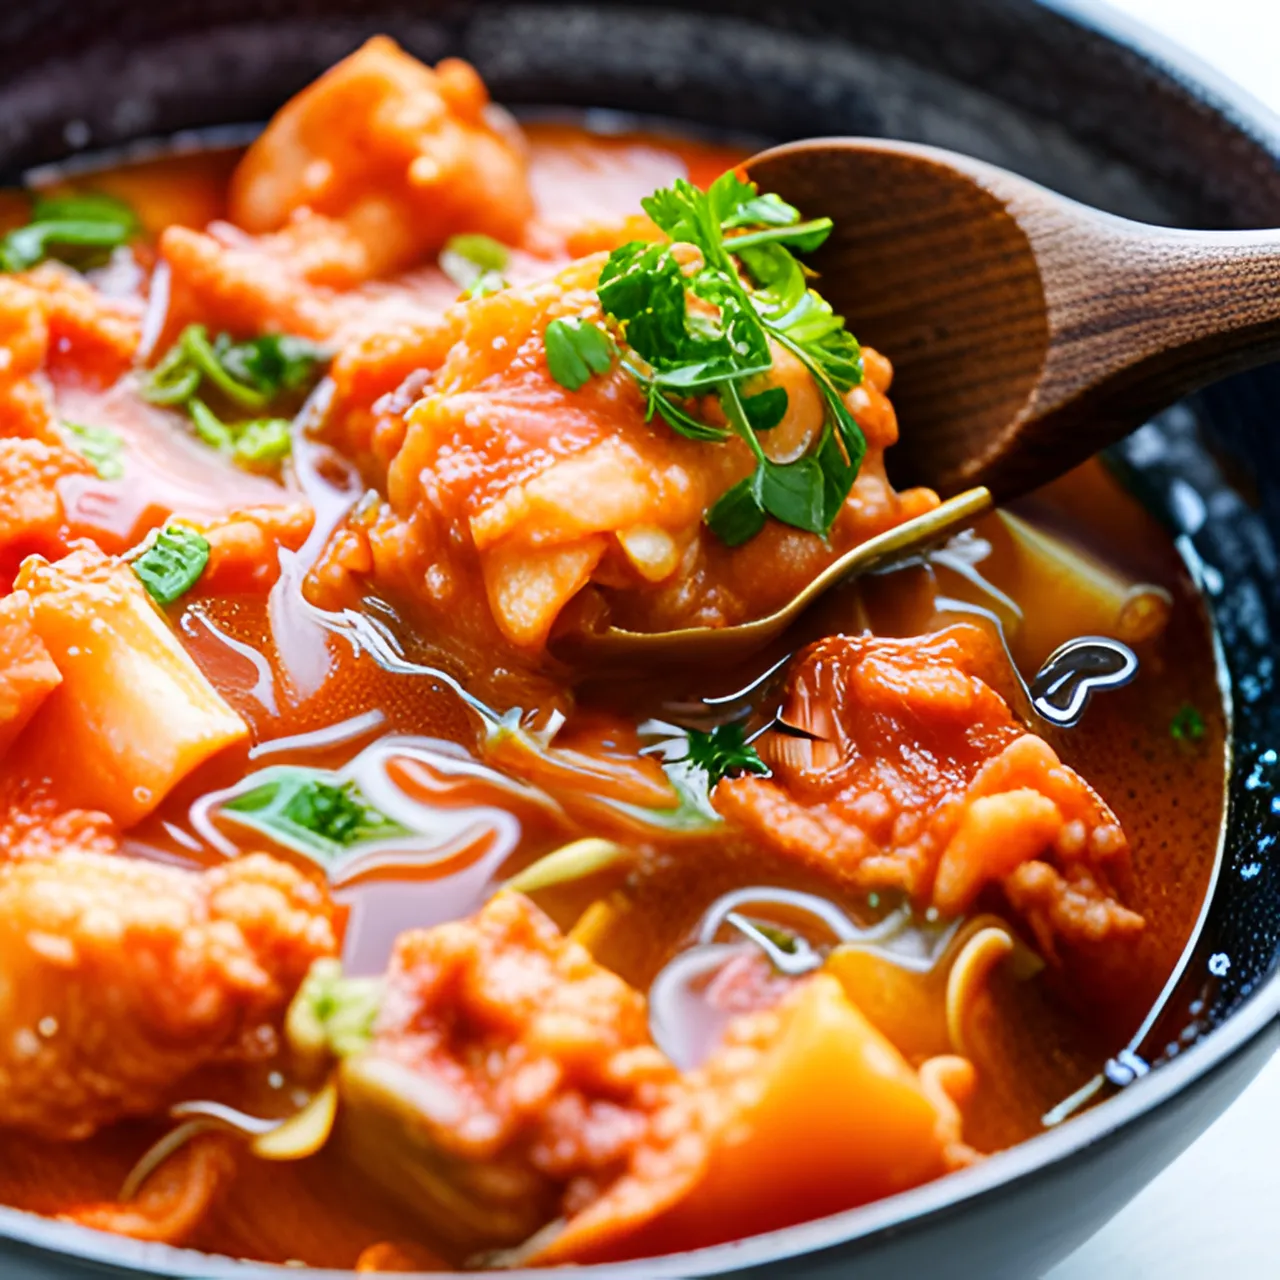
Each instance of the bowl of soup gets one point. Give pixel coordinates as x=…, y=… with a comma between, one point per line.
x=356, y=915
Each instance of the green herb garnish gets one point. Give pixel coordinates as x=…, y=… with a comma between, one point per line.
x=678, y=354
x=83, y=229
x=332, y=1015
x=173, y=563
x=248, y=375
x=1187, y=725
x=575, y=350
x=261, y=443
x=312, y=811
x=475, y=263
x=272, y=364
x=723, y=753
x=101, y=447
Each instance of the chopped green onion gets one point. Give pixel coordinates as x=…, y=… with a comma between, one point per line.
x=62, y=225
x=262, y=443
x=332, y=1015
x=173, y=563
x=101, y=447
x=466, y=259
x=1187, y=725
x=312, y=811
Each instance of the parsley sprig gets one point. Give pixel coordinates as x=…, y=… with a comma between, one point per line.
x=691, y=326
x=723, y=752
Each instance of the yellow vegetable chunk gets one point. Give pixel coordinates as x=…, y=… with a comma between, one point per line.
x=133, y=714
x=806, y=1110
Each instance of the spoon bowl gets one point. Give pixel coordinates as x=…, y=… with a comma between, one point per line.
x=696, y=644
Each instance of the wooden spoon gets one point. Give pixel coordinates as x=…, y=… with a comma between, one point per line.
x=1027, y=331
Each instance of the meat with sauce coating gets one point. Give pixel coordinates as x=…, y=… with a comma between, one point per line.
x=119, y=977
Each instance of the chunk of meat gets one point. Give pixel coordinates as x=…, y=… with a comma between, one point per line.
x=244, y=286
x=119, y=977
x=402, y=155
x=304, y=280
x=34, y=825
x=509, y=1062
x=511, y=1082
x=495, y=472
x=921, y=780
x=98, y=737
x=54, y=324
x=92, y=338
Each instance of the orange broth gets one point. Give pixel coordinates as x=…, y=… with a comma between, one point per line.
x=310, y=697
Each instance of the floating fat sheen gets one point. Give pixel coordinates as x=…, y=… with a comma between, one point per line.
x=358, y=917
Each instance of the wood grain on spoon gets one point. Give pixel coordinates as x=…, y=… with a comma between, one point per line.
x=1027, y=331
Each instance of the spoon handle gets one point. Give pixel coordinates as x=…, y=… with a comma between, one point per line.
x=1140, y=315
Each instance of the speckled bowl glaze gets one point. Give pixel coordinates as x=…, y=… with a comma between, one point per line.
x=1067, y=93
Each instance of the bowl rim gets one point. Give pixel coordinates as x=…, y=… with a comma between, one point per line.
x=1248, y=115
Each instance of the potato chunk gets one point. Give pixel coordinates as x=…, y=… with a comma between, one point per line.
x=133, y=714
x=401, y=154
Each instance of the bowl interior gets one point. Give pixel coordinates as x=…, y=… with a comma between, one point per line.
x=1072, y=109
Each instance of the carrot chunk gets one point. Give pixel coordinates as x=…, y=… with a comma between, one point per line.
x=27, y=673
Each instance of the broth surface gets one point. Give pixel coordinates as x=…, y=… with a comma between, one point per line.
x=312, y=695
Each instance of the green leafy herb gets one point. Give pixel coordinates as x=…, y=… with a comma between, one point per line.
x=83, y=229
x=312, y=811
x=723, y=753
x=332, y=1015
x=475, y=263
x=173, y=563
x=575, y=350
x=248, y=375
x=101, y=447
x=1187, y=726
x=738, y=514
x=272, y=363
x=261, y=443
x=696, y=325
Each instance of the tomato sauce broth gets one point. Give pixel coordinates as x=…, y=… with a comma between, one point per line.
x=312, y=694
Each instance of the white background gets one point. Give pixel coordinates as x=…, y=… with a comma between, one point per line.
x=1215, y=1213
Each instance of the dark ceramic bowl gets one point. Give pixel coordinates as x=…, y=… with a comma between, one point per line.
x=1064, y=92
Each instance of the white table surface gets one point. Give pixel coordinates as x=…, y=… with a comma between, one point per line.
x=1215, y=1212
